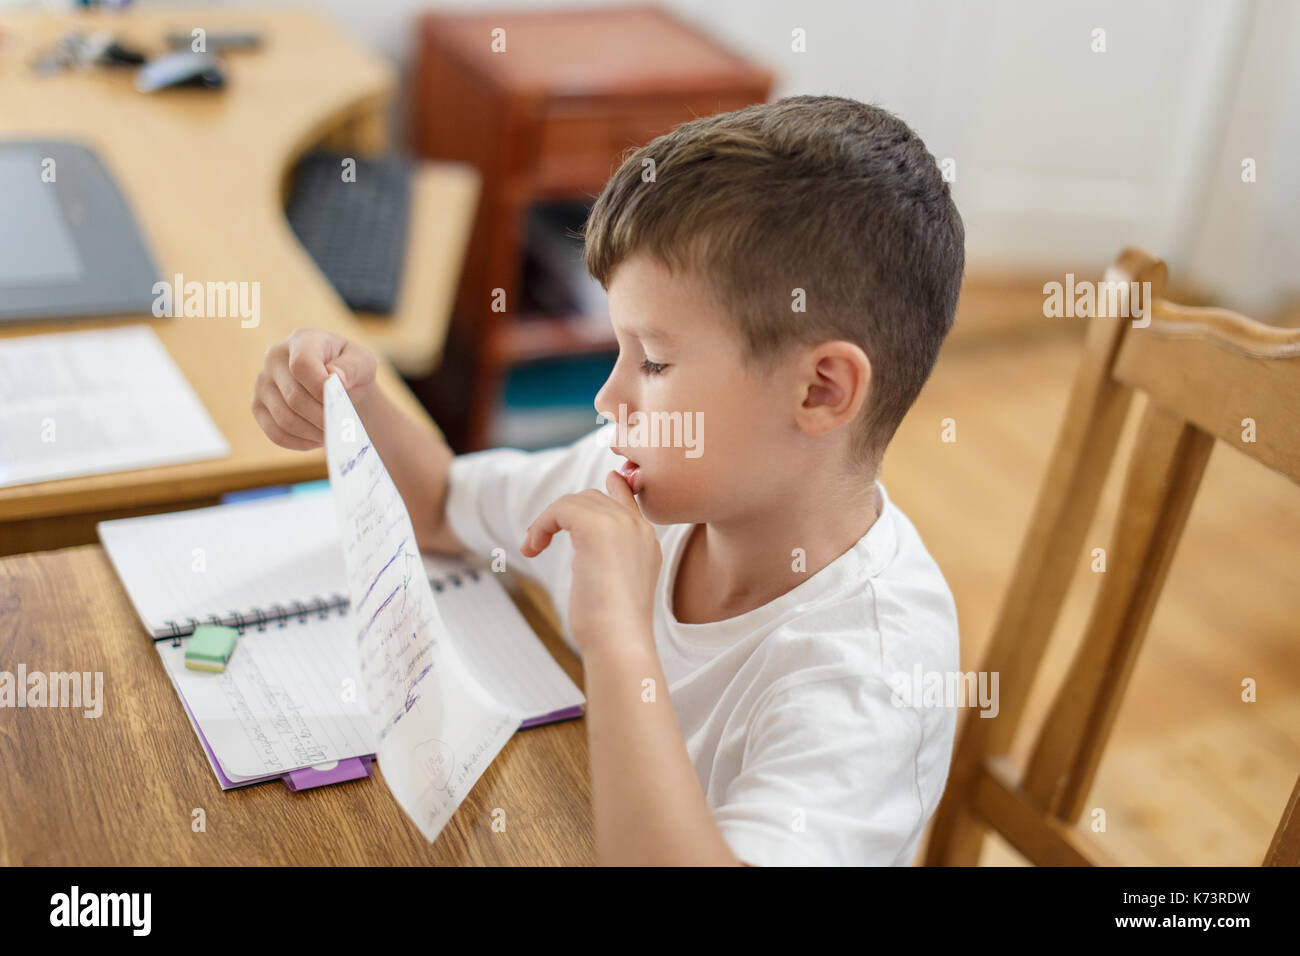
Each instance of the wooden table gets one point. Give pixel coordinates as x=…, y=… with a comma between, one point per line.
x=205, y=174
x=121, y=789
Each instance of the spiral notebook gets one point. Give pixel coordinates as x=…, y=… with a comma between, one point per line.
x=290, y=704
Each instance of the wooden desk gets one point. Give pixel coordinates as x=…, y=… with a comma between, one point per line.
x=204, y=172
x=120, y=789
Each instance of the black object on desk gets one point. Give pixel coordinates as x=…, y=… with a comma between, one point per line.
x=69, y=245
x=352, y=220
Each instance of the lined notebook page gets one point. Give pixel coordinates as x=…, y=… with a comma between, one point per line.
x=228, y=558
x=497, y=643
x=289, y=697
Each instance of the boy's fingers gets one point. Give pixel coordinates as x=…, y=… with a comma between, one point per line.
x=289, y=420
x=278, y=434
x=569, y=512
x=309, y=351
x=563, y=514
x=621, y=492
x=296, y=396
x=269, y=398
x=539, y=534
x=354, y=362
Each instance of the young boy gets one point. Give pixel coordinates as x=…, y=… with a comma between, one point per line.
x=741, y=589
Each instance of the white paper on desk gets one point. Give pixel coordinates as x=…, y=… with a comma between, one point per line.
x=96, y=401
x=437, y=728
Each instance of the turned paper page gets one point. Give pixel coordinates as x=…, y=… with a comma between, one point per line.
x=436, y=727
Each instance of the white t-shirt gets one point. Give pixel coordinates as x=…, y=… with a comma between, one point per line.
x=789, y=711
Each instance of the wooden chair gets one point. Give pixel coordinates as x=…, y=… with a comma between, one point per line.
x=1203, y=371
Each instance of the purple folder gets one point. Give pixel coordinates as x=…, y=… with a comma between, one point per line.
x=350, y=768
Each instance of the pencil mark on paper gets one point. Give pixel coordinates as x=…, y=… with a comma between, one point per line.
x=436, y=760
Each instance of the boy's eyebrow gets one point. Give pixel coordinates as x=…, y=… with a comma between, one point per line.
x=647, y=335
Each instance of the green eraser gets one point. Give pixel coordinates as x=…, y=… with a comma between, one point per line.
x=210, y=647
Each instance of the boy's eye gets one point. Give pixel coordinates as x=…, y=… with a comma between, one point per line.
x=652, y=368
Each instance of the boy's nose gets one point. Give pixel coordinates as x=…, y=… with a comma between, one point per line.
x=605, y=402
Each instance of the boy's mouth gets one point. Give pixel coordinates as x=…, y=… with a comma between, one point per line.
x=631, y=473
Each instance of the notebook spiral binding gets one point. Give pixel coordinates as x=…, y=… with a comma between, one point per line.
x=259, y=617
x=279, y=613
x=454, y=578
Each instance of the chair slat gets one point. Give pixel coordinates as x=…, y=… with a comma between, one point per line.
x=1284, y=849
x=1080, y=461
x=1218, y=369
x=1163, y=477
x=1038, y=837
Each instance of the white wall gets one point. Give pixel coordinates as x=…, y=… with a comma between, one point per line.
x=1247, y=241
x=1063, y=154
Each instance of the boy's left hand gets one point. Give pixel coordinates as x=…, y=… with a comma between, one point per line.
x=615, y=562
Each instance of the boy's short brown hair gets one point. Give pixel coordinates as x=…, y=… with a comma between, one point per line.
x=820, y=193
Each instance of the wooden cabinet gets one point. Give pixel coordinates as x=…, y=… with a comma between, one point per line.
x=545, y=104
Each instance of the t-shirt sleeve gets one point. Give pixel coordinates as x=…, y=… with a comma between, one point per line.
x=494, y=495
x=828, y=778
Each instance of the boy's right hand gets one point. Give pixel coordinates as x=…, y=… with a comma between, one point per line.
x=289, y=393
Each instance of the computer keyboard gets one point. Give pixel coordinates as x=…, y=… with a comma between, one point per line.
x=354, y=230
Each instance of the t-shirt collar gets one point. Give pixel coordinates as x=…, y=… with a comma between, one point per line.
x=865, y=559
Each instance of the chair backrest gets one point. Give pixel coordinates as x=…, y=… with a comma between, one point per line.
x=1209, y=375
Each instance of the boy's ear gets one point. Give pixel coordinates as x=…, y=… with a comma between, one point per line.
x=835, y=379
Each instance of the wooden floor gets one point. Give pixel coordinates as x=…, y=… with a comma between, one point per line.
x=1192, y=775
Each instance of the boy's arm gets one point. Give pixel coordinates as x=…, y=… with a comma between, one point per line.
x=647, y=802
x=418, y=463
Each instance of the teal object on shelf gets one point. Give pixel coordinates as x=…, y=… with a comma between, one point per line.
x=564, y=381
x=551, y=402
